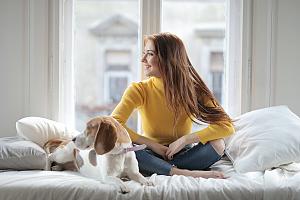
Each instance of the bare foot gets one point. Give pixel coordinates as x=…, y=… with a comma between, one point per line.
x=207, y=174
x=197, y=173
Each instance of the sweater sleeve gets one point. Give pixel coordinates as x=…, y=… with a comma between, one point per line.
x=132, y=98
x=215, y=131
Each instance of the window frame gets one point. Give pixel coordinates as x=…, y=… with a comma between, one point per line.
x=238, y=62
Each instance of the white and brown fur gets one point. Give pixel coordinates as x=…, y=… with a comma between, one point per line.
x=63, y=155
x=107, y=137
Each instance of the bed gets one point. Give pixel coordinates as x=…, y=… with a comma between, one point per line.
x=259, y=164
x=40, y=184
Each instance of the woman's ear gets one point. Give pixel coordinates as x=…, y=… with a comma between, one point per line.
x=106, y=138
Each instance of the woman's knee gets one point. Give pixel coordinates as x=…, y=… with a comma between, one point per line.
x=218, y=145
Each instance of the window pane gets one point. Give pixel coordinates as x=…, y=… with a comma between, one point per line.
x=201, y=26
x=105, y=56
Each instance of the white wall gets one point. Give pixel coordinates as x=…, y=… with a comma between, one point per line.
x=287, y=59
x=275, y=61
x=24, y=63
x=13, y=58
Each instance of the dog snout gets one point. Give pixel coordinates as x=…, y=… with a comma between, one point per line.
x=74, y=139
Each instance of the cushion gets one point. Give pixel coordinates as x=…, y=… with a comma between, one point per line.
x=40, y=130
x=19, y=154
x=264, y=138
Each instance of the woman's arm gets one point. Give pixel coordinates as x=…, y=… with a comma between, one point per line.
x=132, y=98
x=154, y=146
x=214, y=132
x=181, y=142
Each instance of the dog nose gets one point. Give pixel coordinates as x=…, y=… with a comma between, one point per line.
x=74, y=139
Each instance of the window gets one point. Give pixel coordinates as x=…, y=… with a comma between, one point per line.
x=217, y=73
x=108, y=44
x=202, y=30
x=115, y=84
x=105, y=56
x=117, y=74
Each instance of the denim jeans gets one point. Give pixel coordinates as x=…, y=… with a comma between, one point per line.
x=197, y=157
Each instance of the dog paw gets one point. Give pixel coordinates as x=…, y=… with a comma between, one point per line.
x=125, y=190
x=148, y=183
x=56, y=168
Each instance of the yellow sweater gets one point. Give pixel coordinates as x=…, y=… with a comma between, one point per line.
x=157, y=120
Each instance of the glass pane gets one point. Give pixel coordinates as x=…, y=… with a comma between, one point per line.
x=105, y=56
x=201, y=26
x=117, y=85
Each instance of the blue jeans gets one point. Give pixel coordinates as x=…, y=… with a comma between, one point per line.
x=198, y=157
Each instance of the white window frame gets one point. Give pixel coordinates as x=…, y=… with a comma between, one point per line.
x=238, y=59
x=61, y=72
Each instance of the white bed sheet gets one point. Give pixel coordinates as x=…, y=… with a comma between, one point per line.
x=281, y=184
x=71, y=185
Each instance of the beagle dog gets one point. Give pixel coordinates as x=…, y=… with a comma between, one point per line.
x=105, y=136
x=63, y=155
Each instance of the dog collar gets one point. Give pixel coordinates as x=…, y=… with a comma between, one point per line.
x=134, y=148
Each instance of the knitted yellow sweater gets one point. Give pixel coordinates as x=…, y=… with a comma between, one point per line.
x=157, y=120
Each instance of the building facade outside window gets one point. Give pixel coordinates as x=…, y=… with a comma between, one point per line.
x=107, y=49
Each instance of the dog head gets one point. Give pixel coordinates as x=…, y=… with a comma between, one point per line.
x=63, y=154
x=104, y=134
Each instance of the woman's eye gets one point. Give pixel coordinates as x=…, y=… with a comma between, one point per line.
x=148, y=54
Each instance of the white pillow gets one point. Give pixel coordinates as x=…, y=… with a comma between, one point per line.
x=19, y=154
x=264, y=139
x=40, y=130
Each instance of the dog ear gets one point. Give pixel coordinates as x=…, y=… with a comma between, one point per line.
x=93, y=157
x=106, y=138
x=122, y=134
x=78, y=159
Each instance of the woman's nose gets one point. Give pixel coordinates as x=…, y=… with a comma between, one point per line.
x=143, y=59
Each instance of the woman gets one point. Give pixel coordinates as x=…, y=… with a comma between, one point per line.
x=169, y=102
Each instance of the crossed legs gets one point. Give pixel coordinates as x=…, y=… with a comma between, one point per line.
x=190, y=161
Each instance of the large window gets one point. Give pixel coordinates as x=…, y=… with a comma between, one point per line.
x=201, y=26
x=105, y=56
x=108, y=45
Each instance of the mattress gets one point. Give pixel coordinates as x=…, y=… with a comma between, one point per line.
x=39, y=184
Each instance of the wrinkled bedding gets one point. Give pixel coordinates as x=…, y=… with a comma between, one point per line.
x=39, y=184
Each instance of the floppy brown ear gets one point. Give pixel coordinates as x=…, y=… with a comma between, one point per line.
x=106, y=138
x=78, y=162
x=93, y=157
x=122, y=134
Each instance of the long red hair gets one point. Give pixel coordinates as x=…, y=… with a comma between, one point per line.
x=184, y=89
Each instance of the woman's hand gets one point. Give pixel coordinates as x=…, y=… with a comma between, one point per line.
x=159, y=149
x=154, y=146
x=176, y=146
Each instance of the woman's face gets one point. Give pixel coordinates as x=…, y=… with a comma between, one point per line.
x=150, y=60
